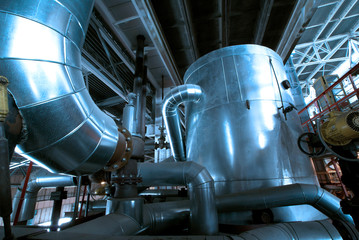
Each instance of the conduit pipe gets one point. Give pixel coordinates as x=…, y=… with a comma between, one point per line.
x=157, y=217
x=39, y=179
x=177, y=96
x=287, y=195
x=40, y=52
x=204, y=219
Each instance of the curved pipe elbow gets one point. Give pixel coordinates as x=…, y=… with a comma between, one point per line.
x=177, y=96
x=324, y=201
x=39, y=179
x=41, y=57
x=204, y=219
x=196, y=175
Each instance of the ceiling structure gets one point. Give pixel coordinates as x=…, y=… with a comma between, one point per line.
x=177, y=33
x=329, y=39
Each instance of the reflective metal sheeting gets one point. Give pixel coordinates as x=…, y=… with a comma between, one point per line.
x=238, y=130
x=40, y=54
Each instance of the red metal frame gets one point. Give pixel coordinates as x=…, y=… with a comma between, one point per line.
x=82, y=201
x=334, y=106
x=23, y=191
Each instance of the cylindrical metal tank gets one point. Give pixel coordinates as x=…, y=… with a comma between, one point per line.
x=238, y=130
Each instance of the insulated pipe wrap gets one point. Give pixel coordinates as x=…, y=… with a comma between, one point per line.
x=204, y=219
x=39, y=179
x=41, y=56
x=296, y=230
x=287, y=195
x=157, y=217
x=177, y=96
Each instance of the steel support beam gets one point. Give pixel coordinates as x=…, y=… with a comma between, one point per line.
x=94, y=70
x=108, y=54
x=224, y=25
x=328, y=19
x=120, y=53
x=302, y=13
x=266, y=8
x=334, y=50
x=184, y=9
x=109, y=102
x=322, y=61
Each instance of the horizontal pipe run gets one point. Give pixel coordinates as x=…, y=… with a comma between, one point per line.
x=293, y=230
x=287, y=195
x=160, y=193
x=204, y=219
x=171, y=102
x=157, y=217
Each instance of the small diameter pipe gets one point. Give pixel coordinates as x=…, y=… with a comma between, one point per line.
x=87, y=200
x=177, y=96
x=287, y=195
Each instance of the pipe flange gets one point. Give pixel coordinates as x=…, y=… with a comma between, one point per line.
x=119, y=160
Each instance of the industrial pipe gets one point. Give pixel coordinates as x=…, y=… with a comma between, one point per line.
x=40, y=52
x=204, y=219
x=157, y=217
x=294, y=230
x=139, y=88
x=287, y=195
x=39, y=179
x=177, y=96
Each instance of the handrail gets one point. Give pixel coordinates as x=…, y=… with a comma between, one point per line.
x=355, y=68
x=337, y=103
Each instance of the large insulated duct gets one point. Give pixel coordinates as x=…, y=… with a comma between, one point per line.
x=157, y=217
x=295, y=230
x=40, y=54
x=39, y=179
x=204, y=218
x=171, y=102
x=287, y=195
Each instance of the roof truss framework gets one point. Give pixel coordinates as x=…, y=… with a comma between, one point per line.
x=329, y=40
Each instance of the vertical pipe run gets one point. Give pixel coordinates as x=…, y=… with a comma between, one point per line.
x=56, y=209
x=77, y=199
x=5, y=190
x=128, y=121
x=138, y=88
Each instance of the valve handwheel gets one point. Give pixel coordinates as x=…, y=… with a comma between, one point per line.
x=315, y=147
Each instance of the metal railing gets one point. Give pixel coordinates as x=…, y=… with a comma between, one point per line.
x=348, y=99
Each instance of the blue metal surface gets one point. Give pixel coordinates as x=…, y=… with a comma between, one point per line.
x=238, y=131
x=40, y=54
